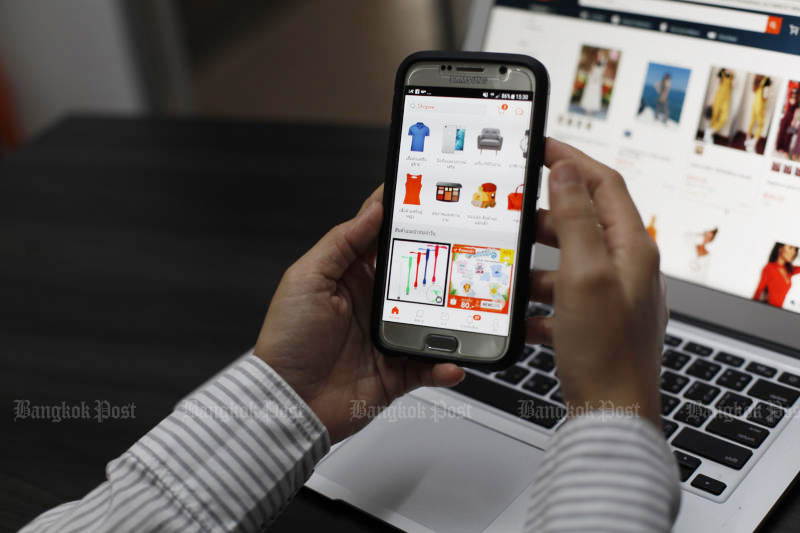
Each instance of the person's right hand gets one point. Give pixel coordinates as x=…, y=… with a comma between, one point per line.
x=608, y=293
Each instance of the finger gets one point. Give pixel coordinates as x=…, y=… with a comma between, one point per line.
x=542, y=283
x=575, y=219
x=539, y=330
x=615, y=208
x=376, y=196
x=345, y=243
x=419, y=374
x=545, y=234
x=447, y=375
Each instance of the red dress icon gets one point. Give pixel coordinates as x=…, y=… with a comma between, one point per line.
x=413, y=186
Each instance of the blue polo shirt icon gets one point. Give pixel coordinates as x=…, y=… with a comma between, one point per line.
x=418, y=133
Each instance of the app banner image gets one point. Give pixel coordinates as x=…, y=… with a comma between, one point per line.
x=787, y=144
x=776, y=287
x=480, y=278
x=737, y=109
x=418, y=272
x=663, y=95
x=594, y=81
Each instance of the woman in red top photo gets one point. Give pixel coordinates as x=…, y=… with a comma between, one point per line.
x=776, y=276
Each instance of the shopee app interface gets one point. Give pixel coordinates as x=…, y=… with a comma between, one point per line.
x=457, y=208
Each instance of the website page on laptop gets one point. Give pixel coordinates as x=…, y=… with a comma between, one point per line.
x=698, y=106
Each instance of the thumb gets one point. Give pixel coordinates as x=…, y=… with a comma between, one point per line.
x=345, y=243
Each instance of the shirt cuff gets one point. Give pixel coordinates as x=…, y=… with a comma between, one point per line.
x=235, y=451
x=606, y=471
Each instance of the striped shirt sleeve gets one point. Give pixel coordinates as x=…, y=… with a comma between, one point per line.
x=230, y=457
x=605, y=472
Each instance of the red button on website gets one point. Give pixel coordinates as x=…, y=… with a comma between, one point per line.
x=476, y=317
x=774, y=25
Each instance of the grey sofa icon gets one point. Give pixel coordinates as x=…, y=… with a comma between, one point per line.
x=490, y=139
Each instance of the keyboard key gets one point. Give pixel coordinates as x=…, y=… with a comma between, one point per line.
x=698, y=349
x=790, y=379
x=761, y=370
x=737, y=431
x=686, y=463
x=540, y=384
x=708, y=484
x=712, y=448
x=703, y=369
x=766, y=414
x=668, y=403
x=513, y=374
x=557, y=397
x=702, y=392
x=777, y=394
x=734, y=404
x=672, y=382
x=674, y=359
x=527, y=351
x=733, y=379
x=538, y=310
x=671, y=340
x=511, y=401
x=692, y=414
x=669, y=427
x=729, y=359
x=543, y=360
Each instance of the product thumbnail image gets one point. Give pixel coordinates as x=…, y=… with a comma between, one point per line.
x=775, y=286
x=663, y=95
x=594, y=81
x=737, y=110
x=448, y=192
x=787, y=145
x=485, y=197
x=418, y=133
x=480, y=278
x=515, y=198
x=413, y=186
x=453, y=139
x=490, y=139
x=418, y=272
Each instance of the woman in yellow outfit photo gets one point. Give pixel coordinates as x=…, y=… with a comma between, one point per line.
x=738, y=110
x=720, y=108
x=761, y=85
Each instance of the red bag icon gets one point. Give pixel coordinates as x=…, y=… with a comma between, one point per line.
x=515, y=199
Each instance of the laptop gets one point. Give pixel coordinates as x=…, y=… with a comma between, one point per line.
x=697, y=104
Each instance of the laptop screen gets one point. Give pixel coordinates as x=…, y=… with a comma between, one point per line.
x=698, y=106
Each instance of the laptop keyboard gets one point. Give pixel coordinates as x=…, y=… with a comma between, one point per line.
x=716, y=406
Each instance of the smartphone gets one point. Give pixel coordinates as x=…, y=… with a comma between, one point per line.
x=463, y=173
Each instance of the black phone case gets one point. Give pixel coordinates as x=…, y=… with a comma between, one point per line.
x=528, y=220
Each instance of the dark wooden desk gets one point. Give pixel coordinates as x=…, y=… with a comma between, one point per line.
x=137, y=258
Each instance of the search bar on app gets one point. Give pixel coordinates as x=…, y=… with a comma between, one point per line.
x=451, y=108
x=708, y=15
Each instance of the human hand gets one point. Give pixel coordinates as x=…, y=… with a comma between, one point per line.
x=316, y=333
x=608, y=293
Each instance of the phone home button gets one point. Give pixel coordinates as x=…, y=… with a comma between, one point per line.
x=441, y=343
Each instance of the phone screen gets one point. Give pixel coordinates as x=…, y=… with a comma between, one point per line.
x=457, y=208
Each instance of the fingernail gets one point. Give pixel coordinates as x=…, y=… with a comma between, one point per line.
x=564, y=175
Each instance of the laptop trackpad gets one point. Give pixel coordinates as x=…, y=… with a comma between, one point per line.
x=445, y=473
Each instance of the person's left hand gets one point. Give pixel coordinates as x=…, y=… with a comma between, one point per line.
x=316, y=334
